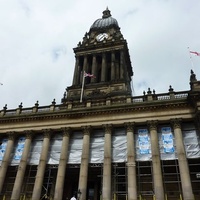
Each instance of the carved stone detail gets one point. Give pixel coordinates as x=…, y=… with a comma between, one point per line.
x=66, y=131
x=176, y=123
x=96, y=93
x=152, y=124
x=86, y=130
x=129, y=126
x=108, y=128
x=11, y=135
x=29, y=134
x=47, y=133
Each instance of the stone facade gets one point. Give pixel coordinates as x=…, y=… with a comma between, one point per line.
x=56, y=151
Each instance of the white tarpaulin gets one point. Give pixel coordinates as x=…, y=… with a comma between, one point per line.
x=167, y=146
x=143, y=145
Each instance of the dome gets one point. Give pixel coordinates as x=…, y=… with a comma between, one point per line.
x=105, y=22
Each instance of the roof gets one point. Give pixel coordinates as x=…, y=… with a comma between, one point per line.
x=106, y=21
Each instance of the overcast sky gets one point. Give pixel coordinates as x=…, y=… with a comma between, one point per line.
x=37, y=38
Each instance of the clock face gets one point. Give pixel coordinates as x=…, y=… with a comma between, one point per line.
x=101, y=36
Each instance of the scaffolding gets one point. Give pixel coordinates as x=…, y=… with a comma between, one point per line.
x=119, y=177
x=9, y=182
x=144, y=180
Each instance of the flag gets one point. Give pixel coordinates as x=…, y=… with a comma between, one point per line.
x=196, y=53
x=89, y=75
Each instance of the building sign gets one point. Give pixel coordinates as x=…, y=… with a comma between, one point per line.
x=167, y=139
x=144, y=141
x=19, y=149
x=3, y=148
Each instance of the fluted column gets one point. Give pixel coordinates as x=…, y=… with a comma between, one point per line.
x=182, y=161
x=58, y=194
x=157, y=173
x=76, y=74
x=113, y=66
x=106, y=190
x=21, y=168
x=94, y=69
x=82, y=185
x=121, y=64
x=41, y=167
x=103, y=68
x=131, y=166
x=6, y=159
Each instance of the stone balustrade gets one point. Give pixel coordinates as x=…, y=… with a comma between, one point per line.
x=71, y=105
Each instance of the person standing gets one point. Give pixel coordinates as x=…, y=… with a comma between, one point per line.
x=73, y=198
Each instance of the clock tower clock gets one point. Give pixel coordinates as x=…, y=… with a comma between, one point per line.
x=104, y=53
x=100, y=37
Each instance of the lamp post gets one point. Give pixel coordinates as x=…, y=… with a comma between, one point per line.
x=78, y=194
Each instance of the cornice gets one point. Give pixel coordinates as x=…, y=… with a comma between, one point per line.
x=95, y=111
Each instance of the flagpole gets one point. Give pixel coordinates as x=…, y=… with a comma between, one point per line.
x=191, y=58
x=83, y=82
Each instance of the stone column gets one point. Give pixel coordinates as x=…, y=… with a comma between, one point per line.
x=182, y=161
x=113, y=65
x=6, y=159
x=41, y=167
x=83, y=175
x=85, y=63
x=106, y=190
x=21, y=168
x=103, y=68
x=121, y=65
x=76, y=74
x=157, y=173
x=60, y=180
x=131, y=165
x=94, y=69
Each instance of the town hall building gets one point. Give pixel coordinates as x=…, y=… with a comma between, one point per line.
x=101, y=142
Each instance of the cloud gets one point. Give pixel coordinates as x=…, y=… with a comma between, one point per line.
x=37, y=40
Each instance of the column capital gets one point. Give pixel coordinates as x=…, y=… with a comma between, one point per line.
x=108, y=128
x=104, y=54
x=66, y=131
x=176, y=122
x=29, y=134
x=47, y=133
x=152, y=124
x=129, y=126
x=11, y=135
x=86, y=130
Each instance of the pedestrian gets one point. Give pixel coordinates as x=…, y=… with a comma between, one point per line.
x=73, y=198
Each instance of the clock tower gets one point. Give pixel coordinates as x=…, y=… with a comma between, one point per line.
x=103, y=52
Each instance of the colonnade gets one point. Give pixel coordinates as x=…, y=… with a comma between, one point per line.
x=105, y=65
x=83, y=176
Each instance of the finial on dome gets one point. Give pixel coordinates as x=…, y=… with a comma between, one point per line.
x=106, y=13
